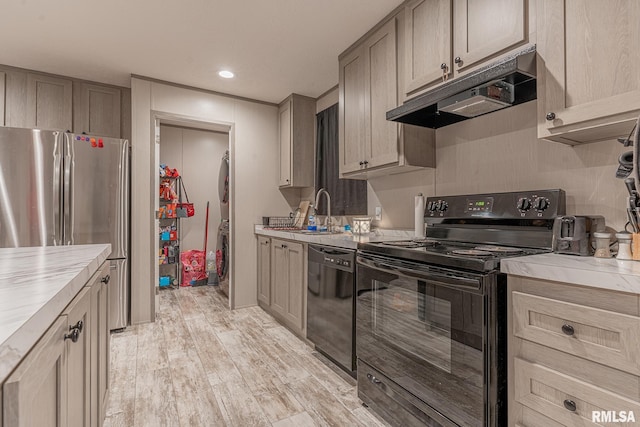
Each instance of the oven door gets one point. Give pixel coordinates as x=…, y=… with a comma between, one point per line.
x=423, y=328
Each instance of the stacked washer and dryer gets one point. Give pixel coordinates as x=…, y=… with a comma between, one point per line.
x=223, y=252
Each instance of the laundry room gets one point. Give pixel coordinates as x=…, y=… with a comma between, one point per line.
x=193, y=207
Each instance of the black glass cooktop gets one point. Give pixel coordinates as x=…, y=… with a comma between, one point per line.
x=471, y=256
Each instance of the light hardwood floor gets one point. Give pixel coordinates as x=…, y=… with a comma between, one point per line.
x=200, y=364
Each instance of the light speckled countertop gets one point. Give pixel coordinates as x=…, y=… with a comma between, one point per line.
x=36, y=284
x=343, y=240
x=601, y=273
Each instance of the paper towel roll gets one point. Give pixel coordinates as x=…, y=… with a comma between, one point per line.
x=419, y=216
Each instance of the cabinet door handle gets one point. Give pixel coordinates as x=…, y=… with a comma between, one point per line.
x=284, y=246
x=79, y=326
x=444, y=69
x=361, y=163
x=568, y=329
x=106, y=279
x=458, y=61
x=366, y=162
x=73, y=336
x=550, y=116
x=373, y=379
x=570, y=405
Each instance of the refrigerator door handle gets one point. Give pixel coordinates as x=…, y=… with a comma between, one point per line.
x=122, y=220
x=68, y=191
x=58, y=150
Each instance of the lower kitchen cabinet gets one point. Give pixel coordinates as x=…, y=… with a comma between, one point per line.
x=573, y=350
x=282, y=266
x=100, y=345
x=79, y=359
x=36, y=393
x=264, y=270
x=57, y=383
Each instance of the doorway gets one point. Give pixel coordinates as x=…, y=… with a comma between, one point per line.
x=196, y=153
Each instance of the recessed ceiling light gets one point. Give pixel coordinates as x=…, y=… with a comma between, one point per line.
x=226, y=74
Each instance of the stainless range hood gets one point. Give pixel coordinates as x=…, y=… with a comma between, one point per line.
x=507, y=82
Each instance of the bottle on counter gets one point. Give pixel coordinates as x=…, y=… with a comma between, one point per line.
x=312, y=225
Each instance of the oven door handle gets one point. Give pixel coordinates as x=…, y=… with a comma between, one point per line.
x=430, y=276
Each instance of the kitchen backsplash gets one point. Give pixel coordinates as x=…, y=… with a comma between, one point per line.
x=501, y=152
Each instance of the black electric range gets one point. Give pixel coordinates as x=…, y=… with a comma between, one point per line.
x=475, y=232
x=431, y=313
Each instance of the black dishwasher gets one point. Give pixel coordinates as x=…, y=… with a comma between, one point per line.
x=331, y=304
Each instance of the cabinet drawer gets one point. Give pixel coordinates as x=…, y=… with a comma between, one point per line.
x=531, y=418
x=563, y=398
x=594, y=334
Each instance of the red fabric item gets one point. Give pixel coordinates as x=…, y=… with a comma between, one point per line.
x=191, y=210
x=193, y=267
x=219, y=262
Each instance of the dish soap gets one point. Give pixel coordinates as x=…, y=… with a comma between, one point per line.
x=312, y=226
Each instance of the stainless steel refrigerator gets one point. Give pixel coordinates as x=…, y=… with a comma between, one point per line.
x=66, y=189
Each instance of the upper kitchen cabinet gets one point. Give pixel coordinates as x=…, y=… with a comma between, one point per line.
x=445, y=39
x=38, y=101
x=352, y=123
x=296, y=116
x=588, y=78
x=30, y=99
x=369, y=144
x=49, y=102
x=96, y=109
x=427, y=44
x=482, y=29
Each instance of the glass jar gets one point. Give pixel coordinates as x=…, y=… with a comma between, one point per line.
x=624, y=245
x=602, y=245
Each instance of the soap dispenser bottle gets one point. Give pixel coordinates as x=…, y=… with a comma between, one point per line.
x=312, y=225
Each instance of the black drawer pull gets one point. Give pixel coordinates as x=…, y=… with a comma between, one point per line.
x=106, y=279
x=570, y=405
x=373, y=379
x=568, y=329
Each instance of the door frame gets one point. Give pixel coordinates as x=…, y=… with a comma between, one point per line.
x=164, y=118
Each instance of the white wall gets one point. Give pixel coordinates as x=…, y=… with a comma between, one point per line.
x=501, y=152
x=197, y=155
x=254, y=172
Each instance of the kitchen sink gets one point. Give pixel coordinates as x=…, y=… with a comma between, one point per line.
x=317, y=233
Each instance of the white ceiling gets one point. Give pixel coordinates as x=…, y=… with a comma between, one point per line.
x=275, y=47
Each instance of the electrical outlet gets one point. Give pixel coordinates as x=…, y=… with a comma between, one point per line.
x=378, y=213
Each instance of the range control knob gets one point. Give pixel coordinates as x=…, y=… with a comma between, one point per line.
x=524, y=204
x=442, y=206
x=431, y=206
x=540, y=204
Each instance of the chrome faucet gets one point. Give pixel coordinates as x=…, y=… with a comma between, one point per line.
x=328, y=221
